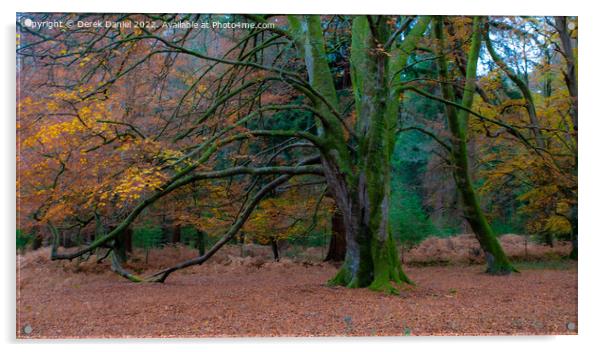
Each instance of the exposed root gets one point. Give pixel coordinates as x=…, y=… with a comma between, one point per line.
x=118, y=268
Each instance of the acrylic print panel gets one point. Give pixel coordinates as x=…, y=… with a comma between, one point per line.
x=196, y=175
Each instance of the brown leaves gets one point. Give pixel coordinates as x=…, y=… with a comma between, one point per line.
x=291, y=300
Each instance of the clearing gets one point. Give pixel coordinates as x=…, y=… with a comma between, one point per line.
x=232, y=296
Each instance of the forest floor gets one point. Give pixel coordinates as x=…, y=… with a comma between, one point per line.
x=232, y=296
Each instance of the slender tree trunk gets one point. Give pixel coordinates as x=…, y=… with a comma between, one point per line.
x=201, y=241
x=176, y=234
x=570, y=75
x=524, y=89
x=337, y=247
x=38, y=238
x=570, y=78
x=274, y=246
x=574, y=232
x=171, y=233
x=497, y=261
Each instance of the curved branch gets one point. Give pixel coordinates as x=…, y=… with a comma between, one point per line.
x=162, y=275
x=428, y=133
x=513, y=131
x=173, y=185
x=522, y=86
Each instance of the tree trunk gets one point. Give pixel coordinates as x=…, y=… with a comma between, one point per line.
x=337, y=247
x=574, y=232
x=570, y=78
x=361, y=186
x=522, y=86
x=201, y=241
x=122, y=245
x=274, y=246
x=38, y=238
x=574, y=252
x=372, y=259
x=171, y=233
x=176, y=234
x=497, y=262
x=570, y=75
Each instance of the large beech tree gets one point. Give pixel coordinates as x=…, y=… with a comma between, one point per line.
x=359, y=177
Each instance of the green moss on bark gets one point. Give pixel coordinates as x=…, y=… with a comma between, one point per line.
x=497, y=261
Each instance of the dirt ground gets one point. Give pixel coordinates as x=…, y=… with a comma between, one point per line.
x=235, y=297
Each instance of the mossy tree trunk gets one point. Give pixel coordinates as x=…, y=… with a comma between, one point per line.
x=497, y=261
x=359, y=179
x=122, y=246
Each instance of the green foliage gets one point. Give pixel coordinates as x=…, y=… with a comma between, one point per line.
x=189, y=235
x=147, y=237
x=513, y=225
x=23, y=240
x=313, y=239
x=410, y=223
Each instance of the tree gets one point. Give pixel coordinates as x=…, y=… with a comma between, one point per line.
x=337, y=245
x=360, y=183
x=497, y=262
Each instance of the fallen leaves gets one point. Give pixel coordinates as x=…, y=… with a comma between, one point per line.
x=290, y=299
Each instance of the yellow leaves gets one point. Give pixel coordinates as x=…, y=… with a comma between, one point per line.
x=558, y=225
x=52, y=106
x=84, y=61
x=135, y=181
x=52, y=133
x=288, y=215
x=62, y=126
x=70, y=95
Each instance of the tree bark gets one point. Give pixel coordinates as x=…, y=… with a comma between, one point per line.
x=570, y=74
x=176, y=234
x=274, y=245
x=171, y=233
x=522, y=86
x=201, y=241
x=574, y=232
x=497, y=261
x=338, y=245
x=361, y=185
x=38, y=238
x=122, y=246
